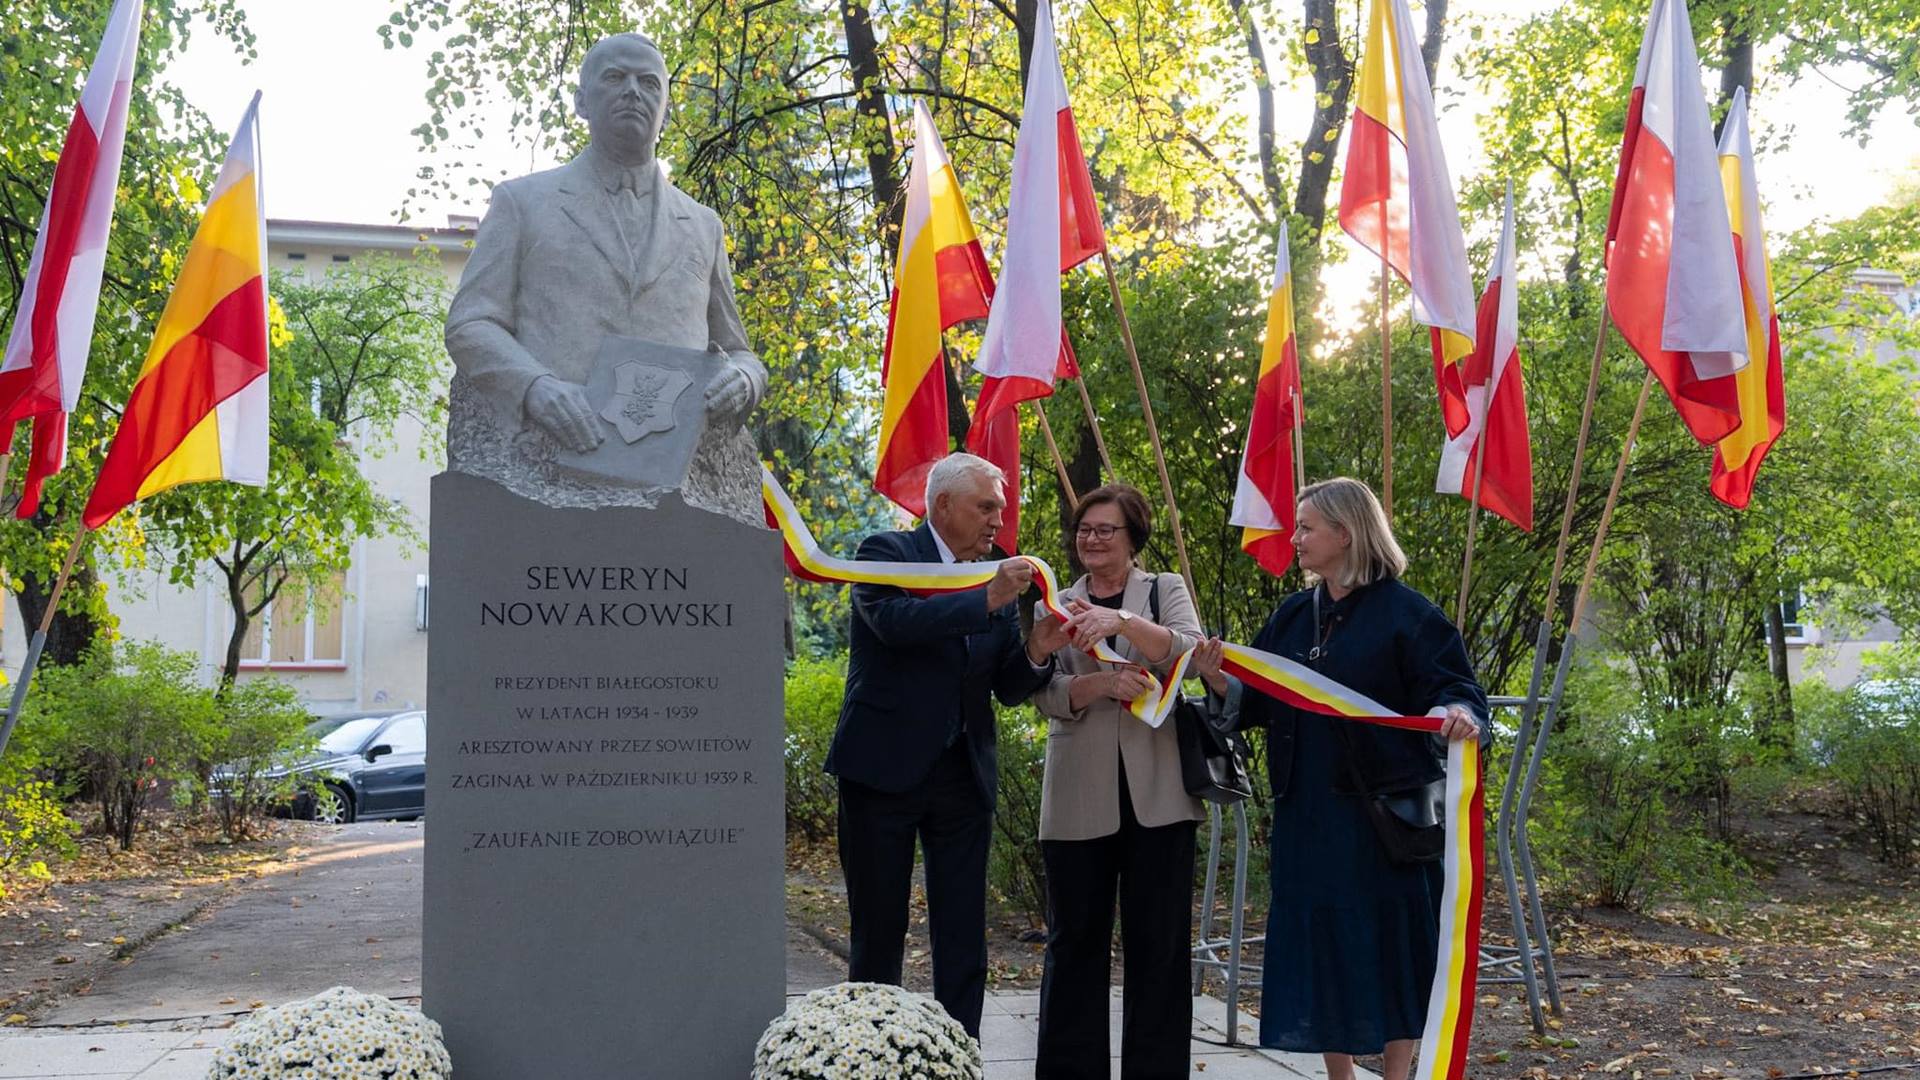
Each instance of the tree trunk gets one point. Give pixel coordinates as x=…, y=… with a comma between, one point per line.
x=1332, y=84
x=1263, y=93
x=1779, y=732
x=1738, y=71
x=71, y=631
x=1083, y=468
x=874, y=128
x=1436, y=36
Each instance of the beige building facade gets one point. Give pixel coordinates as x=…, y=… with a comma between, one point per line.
x=363, y=644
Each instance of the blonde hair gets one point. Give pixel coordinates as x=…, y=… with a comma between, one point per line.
x=1372, y=552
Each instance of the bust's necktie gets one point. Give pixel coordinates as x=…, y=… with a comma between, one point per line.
x=636, y=219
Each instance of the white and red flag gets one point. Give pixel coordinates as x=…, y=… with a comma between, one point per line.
x=1053, y=225
x=1496, y=401
x=1263, y=499
x=1762, y=390
x=1673, y=284
x=1396, y=198
x=46, y=355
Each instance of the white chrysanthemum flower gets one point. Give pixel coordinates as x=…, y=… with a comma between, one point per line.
x=865, y=1030
x=341, y=1034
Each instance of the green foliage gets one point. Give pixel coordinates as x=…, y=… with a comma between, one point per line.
x=33, y=827
x=1868, y=738
x=814, y=689
x=126, y=718
x=171, y=153
x=1620, y=824
x=262, y=726
x=1014, y=867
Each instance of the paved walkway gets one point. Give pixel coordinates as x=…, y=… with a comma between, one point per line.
x=354, y=904
x=184, y=1049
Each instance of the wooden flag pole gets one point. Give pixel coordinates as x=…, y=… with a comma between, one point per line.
x=1093, y=425
x=1606, y=514
x=1059, y=463
x=1153, y=428
x=1386, y=399
x=1473, y=517
x=1579, y=461
x=1299, y=454
x=40, y=638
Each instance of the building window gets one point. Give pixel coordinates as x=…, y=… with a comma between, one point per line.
x=296, y=256
x=340, y=258
x=303, y=627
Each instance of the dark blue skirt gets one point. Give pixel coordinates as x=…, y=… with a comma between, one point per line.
x=1351, y=938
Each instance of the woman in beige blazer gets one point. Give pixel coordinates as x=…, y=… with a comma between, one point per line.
x=1115, y=817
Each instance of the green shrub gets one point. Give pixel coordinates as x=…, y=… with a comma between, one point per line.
x=814, y=690
x=1618, y=821
x=129, y=716
x=33, y=827
x=263, y=726
x=1867, y=737
x=1014, y=867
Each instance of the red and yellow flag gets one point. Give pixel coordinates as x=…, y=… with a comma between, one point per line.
x=1396, y=198
x=1263, y=501
x=198, y=411
x=941, y=279
x=1761, y=390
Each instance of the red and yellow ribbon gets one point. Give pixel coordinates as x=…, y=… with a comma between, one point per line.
x=1450, y=1005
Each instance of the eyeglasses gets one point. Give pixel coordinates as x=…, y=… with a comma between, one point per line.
x=1101, y=532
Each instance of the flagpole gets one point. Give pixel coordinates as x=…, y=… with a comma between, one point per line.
x=1579, y=460
x=1479, y=450
x=1059, y=463
x=1299, y=453
x=1093, y=425
x=1153, y=427
x=40, y=638
x=1386, y=399
x=1606, y=514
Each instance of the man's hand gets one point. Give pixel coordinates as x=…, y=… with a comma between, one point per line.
x=562, y=409
x=1048, y=636
x=730, y=394
x=1008, y=583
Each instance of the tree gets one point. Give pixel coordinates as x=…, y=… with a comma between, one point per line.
x=358, y=352
x=171, y=152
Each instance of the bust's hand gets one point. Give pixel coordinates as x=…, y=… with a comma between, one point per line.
x=563, y=410
x=730, y=394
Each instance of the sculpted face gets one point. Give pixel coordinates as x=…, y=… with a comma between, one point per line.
x=623, y=96
x=968, y=517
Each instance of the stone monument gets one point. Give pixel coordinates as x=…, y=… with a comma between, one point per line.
x=604, y=867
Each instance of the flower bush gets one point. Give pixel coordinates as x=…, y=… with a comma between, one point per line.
x=865, y=1030
x=342, y=1033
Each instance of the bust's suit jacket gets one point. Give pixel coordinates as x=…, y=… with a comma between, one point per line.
x=918, y=664
x=1080, y=790
x=551, y=276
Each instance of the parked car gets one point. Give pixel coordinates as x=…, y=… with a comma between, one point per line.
x=367, y=766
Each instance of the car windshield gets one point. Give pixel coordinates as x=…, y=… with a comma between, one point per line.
x=344, y=736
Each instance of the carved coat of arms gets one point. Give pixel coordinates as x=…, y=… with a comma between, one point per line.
x=643, y=399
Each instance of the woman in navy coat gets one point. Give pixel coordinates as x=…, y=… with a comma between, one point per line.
x=1351, y=936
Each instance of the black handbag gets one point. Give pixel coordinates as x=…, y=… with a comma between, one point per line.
x=1410, y=824
x=1213, y=763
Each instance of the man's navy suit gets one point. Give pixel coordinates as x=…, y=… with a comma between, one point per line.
x=915, y=755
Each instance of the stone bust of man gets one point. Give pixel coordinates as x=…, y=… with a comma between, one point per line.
x=602, y=246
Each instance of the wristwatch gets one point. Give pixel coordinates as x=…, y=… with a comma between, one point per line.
x=1125, y=616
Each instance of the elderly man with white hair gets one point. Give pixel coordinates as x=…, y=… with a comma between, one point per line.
x=915, y=747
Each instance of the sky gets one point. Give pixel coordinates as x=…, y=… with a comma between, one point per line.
x=338, y=112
